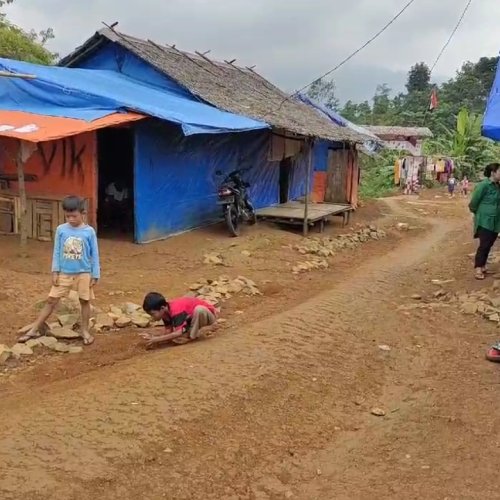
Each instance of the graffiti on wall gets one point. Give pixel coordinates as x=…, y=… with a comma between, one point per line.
x=64, y=155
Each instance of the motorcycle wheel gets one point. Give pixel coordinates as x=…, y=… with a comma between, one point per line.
x=232, y=220
x=252, y=216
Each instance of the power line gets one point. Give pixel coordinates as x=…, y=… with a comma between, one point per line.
x=445, y=46
x=455, y=29
x=353, y=54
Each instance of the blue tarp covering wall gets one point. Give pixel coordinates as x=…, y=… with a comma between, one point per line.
x=91, y=94
x=491, y=122
x=176, y=182
x=320, y=155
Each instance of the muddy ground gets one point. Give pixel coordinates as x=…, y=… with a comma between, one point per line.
x=278, y=402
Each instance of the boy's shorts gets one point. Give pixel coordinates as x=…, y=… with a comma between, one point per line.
x=78, y=282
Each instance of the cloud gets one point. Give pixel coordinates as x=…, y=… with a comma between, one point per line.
x=291, y=41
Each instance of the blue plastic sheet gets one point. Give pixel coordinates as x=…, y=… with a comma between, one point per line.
x=491, y=121
x=176, y=181
x=371, y=146
x=91, y=94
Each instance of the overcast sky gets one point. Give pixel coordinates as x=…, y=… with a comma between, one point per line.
x=290, y=41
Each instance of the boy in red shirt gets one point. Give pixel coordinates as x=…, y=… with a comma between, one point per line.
x=183, y=318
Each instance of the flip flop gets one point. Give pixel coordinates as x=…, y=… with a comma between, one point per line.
x=24, y=338
x=493, y=355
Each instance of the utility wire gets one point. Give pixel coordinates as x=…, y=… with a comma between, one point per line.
x=445, y=46
x=455, y=29
x=353, y=54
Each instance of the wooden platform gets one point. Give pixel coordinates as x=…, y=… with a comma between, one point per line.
x=293, y=213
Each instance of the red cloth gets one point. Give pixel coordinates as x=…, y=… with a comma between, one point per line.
x=180, y=312
x=434, y=100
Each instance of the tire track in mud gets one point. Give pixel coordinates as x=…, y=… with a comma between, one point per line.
x=229, y=409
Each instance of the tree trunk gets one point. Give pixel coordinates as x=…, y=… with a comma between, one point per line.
x=23, y=222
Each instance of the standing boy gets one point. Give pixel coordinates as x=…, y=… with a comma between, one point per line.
x=452, y=184
x=75, y=265
x=465, y=186
x=183, y=318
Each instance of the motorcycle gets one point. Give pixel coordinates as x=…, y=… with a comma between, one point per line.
x=236, y=205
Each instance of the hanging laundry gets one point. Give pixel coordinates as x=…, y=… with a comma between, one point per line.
x=397, y=172
x=440, y=166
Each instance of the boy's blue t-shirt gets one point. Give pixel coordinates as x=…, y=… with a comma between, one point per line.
x=76, y=251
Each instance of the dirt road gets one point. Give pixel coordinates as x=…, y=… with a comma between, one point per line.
x=281, y=407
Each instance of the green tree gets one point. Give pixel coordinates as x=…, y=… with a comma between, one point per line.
x=469, y=89
x=323, y=91
x=382, y=112
x=16, y=43
x=419, y=78
x=357, y=113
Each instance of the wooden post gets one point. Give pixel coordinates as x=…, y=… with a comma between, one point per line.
x=23, y=223
x=308, y=188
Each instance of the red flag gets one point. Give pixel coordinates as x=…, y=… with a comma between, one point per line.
x=434, y=100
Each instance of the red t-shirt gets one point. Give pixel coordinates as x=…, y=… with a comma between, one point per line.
x=180, y=312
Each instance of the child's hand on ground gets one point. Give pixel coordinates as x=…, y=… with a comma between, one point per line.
x=150, y=339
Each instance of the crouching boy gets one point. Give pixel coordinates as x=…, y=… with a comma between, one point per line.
x=183, y=318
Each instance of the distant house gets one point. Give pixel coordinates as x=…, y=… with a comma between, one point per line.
x=408, y=139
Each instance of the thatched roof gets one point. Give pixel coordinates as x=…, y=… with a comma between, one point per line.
x=224, y=85
x=388, y=132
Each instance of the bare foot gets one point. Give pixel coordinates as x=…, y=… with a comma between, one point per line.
x=182, y=340
x=87, y=338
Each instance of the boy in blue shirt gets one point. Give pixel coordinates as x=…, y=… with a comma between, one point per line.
x=75, y=265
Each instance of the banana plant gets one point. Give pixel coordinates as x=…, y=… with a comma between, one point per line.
x=465, y=145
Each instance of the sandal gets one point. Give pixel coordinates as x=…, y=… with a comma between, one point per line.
x=28, y=336
x=493, y=354
x=479, y=275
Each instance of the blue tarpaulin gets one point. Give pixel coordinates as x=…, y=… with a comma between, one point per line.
x=89, y=94
x=371, y=146
x=491, y=122
x=176, y=182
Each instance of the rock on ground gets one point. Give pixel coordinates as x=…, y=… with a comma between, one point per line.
x=60, y=347
x=19, y=350
x=68, y=320
x=104, y=322
x=123, y=322
x=65, y=333
x=5, y=354
x=214, y=259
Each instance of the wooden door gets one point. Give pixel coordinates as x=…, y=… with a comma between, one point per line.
x=7, y=215
x=336, y=184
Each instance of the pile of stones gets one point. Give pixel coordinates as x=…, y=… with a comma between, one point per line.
x=223, y=288
x=51, y=339
x=485, y=303
x=322, y=248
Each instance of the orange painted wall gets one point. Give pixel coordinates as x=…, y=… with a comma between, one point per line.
x=63, y=167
